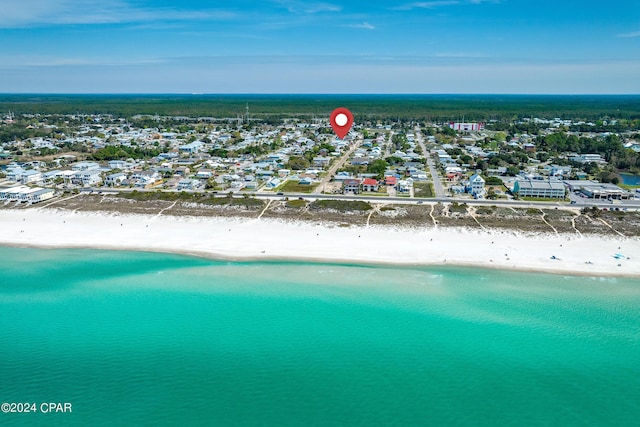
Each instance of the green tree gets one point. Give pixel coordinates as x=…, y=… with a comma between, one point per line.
x=298, y=163
x=378, y=167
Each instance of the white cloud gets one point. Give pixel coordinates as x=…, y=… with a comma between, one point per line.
x=301, y=7
x=629, y=35
x=32, y=13
x=440, y=3
x=364, y=26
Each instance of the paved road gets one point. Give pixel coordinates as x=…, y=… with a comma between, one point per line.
x=437, y=185
x=435, y=177
x=632, y=204
x=337, y=165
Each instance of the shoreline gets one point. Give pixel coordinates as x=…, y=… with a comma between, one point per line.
x=246, y=240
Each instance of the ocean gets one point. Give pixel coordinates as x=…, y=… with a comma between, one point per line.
x=130, y=338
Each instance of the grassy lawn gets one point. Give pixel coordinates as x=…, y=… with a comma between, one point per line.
x=295, y=187
x=628, y=187
x=423, y=189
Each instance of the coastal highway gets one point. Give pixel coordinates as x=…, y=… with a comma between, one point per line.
x=627, y=204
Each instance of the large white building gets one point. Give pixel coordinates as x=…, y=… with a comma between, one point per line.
x=538, y=188
x=466, y=127
x=26, y=194
x=588, y=158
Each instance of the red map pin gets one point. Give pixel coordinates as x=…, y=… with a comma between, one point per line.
x=341, y=121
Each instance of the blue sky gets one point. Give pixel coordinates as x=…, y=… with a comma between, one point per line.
x=291, y=46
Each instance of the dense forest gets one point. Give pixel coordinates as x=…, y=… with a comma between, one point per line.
x=275, y=107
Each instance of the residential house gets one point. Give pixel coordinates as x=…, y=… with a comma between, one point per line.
x=120, y=164
x=404, y=185
x=87, y=177
x=370, y=184
x=321, y=161
x=273, y=183
x=454, y=176
x=40, y=195
x=193, y=147
x=83, y=166
x=390, y=181
x=115, y=179
x=188, y=184
x=204, y=174
x=476, y=185
x=31, y=176
x=351, y=186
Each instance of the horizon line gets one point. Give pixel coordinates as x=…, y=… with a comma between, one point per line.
x=304, y=94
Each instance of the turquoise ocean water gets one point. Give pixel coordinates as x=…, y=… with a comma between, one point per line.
x=153, y=339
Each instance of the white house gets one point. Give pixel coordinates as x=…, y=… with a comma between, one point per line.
x=476, y=185
x=273, y=183
x=31, y=176
x=12, y=193
x=41, y=195
x=193, y=147
x=188, y=184
x=120, y=164
x=115, y=179
x=404, y=186
x=83, y=166
x=15, y=174
x=49, y=177
x=87, y=177
x=204, y=174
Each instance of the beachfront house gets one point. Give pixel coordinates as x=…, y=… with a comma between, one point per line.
x=404, y=186
x=87, y=177
x=390, y=181
x=370, y=184
x=351, y=186
x=115, y=179
x=476, y=185
x=31, y=176
x=188, y=184
x=26, y=194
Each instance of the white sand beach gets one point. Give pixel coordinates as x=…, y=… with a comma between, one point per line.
x=269, y=239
